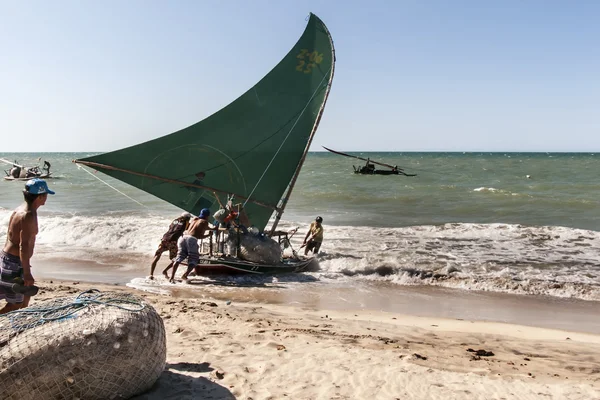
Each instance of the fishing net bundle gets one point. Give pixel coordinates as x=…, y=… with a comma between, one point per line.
x=256, y=248
x=98, y=345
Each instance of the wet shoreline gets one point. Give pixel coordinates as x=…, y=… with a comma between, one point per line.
x=313, y=294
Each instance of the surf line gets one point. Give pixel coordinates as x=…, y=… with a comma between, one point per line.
x=112, y=187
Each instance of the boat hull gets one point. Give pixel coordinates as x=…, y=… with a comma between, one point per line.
x=43, y=176
x=378, y=172
x=231, y=265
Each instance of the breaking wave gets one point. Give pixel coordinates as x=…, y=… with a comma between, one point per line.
x=511, y=258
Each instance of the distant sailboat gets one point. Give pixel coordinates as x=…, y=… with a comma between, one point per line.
x=253, y=149
x=369, y=167
x=22, y=173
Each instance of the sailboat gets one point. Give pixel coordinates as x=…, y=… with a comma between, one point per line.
x=21, y=173
x=369, y=167
x=253, y=149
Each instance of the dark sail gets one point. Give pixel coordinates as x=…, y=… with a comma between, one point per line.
x=253, y=148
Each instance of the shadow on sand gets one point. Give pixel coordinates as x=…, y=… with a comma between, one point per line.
x=177, y=382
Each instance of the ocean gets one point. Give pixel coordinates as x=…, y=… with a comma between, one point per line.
x=517, y=223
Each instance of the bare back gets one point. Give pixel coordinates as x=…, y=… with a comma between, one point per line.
x=197, y=228
x=22, y=229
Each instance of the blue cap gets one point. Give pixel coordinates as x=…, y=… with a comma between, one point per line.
x=205, y=212
x=37, y=186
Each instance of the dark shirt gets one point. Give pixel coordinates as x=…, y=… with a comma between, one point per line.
x=175, y=230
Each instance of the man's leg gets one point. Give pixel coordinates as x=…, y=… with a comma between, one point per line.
x=316, y=248
x=25, y=302
x=166, y=270
x=193, y=257
x=182, y=254
x=14, y=301
x=175, y=266
x=153, y=265
x=8, y=307
x=189, y=269
x=309, y=247
x=173, y=250
x=159, y=251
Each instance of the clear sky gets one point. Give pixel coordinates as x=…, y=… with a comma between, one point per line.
x=422, y=75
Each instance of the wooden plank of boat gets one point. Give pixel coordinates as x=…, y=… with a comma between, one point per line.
x=231, y=265
x=10, y=178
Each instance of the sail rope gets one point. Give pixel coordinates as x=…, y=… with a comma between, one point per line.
x=286, y=137
x=112, y=187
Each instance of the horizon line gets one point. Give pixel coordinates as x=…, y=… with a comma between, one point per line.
x=359, y=151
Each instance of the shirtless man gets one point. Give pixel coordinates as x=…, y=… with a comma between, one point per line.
x=187, y=245
x=15, y=258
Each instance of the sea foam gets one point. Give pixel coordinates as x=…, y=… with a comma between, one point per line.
x=555, y=261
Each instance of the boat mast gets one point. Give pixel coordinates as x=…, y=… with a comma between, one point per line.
x=284, y=200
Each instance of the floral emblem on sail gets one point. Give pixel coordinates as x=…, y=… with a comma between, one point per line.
x=307, y=60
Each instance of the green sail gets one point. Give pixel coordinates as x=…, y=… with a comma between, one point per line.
x=253, y=148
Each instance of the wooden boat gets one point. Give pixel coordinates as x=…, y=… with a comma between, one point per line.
x=213, y=262
x=22, y=173
x=42, y=176
x=369, y=167
x=252, y=149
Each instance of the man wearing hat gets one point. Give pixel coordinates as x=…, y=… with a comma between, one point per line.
x=169, y=242
x=15, y=257
x=187, y=245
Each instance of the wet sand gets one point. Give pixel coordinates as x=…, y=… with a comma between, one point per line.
x=232, y=350
x=427, y=301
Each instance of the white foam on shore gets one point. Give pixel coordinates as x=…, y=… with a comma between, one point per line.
x=555, y=261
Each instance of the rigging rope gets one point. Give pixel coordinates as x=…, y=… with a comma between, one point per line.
x=286, y=137
x=112, y=187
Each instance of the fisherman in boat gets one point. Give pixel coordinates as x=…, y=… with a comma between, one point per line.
x=187, y=245
x=15, y=171
x=316, y=237
x=32, y=172
x=368, y=168
x=47, y=167
x=15, y=257
x=221, y=214
x=232, y=215
x=169, y=242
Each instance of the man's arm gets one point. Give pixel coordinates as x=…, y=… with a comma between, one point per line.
x=28, y=232
x=205, y=228
x=218, y=200
x=307, y=233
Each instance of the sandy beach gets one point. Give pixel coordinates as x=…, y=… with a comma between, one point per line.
x=220, y=349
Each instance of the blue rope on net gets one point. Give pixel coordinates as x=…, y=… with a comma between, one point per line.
x=31, y=317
